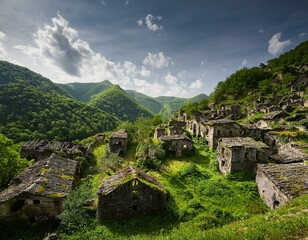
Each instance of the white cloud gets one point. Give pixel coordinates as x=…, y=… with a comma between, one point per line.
x=244, y=63
x=157, y=60
x=149, y=21
x=140, y=22
x=68, y=58
x=59, y=48
x=302, y=34
x=103, y=3
x=175, y=88
x=3, y=38
x=275, y=45
x=145, y=72
x=261, y=30
x=126, y=2
x=182, y=74
x=196, y=85
x=146, y=87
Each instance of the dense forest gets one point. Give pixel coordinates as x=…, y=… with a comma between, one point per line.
x=32, y=107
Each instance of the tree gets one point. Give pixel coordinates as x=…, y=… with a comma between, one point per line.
x=75, y=216
x=111, y=161
x=10, y=162
x=150, y=155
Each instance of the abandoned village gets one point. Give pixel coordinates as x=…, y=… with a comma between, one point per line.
x=37, y=194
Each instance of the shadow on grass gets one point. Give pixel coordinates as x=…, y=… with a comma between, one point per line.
x=146, y=224
x=20, y=230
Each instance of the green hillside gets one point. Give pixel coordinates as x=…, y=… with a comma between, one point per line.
x=146, y=101
x=32, y=107
x=247, y=84
x=84, y=91
x=173, y=104
x=117, y=102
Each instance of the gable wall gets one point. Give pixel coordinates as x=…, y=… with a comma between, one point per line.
x=121, y=202
x=269, y=192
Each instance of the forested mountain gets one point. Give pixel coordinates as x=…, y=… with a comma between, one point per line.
x=146, y=101
x=84, y=91
x=247, y=84
x=117, y=102
x=32, y=107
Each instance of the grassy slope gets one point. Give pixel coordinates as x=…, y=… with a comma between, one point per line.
x=213, y=208
x=146, y=101
x=117, y=102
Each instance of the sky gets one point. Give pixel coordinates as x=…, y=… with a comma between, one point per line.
x=157, y=47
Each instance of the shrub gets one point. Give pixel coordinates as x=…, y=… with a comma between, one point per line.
x=75, y=216
x=191, y=173
x=150, y=155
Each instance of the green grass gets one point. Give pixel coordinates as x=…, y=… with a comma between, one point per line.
x=203, y=204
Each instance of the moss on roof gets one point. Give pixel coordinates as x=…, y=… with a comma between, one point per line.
x=292, y=179
x=127, y=174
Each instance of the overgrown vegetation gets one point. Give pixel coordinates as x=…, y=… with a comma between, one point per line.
x=10, y=162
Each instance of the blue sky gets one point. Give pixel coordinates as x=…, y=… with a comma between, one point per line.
x=157, y=47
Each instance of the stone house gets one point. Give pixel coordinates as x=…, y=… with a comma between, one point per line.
x=176, y=123
x=182, y=116
x=177, y=144
x=128, y=193
x=300, y=84
x=234, y=154
x=279, y=183
x=216, y=129
x=159, y=131
x=42, y=149
x=268, y=119
x=175, y=130
x=118, y=142
x=289, y=153
x=38, y=192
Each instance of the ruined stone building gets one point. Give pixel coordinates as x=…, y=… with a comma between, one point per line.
x=289, y=153
x=300, y=84
x=182, y=116
x=128, y=193
x=118, y=142
x=177, y=145
x=159, y=131
x=279, y=183
x=234, y=154
x=41, y=149
x=38, y=192
x=175, y=130
x=176, y=123
x=216, y=129
x=268, y=119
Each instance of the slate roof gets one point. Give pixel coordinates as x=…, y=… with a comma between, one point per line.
x=288, y=154
x=273, y=115
x=53, y=177
x=129, y=173
x=41, y=145
x=292, y=179
x=220, y=121
x=174, y=137
x=246, y=142
x=119, y=134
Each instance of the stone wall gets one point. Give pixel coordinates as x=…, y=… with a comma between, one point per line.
x=130, y=199
x=30, y=208
x=269, y=192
